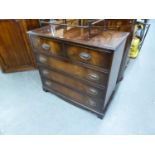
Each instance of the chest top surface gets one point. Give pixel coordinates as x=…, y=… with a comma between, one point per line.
x=99, y=38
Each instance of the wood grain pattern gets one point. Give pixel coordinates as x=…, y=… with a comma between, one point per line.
x=72, y=69
x=68, y=81
x=108, y=40
x=84, y=71
x=47, y=45
x=15, y=50
x=73, y=95
x=101, y=59
x=125, y=25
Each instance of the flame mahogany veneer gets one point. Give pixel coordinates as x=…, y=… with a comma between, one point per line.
x=79, y=69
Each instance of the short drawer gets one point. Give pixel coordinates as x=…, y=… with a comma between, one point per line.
x=73, y=69
x=47, y=46
x=80, y=54
x=72, y=83
x=72, y=95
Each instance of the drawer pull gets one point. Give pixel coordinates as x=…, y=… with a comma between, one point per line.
x=85, y=56
x=42, y=59
x=91, y=103
x=45, y=72
x=93, y=76
x=48, y=83
x=92, y=91
x=45, y=46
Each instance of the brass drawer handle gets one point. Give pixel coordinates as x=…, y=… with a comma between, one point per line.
x=42, y=59
x=85, y=56
x=92, y=91
x=45, y=72
x=93, y=76
x=45, y=46
x=48, y=83
x=91, y=103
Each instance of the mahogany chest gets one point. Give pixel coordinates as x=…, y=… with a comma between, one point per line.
x=77, y=67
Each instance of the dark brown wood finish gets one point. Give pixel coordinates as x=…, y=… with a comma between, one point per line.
x=74, y=53
x=74, y=95
x=85, y=55
x=46, y=45
x=124, y=25
x=125, y=59
x=79, y=85
x=73, y=69
x=15, y=50
x=79, y=69
x=103, y=40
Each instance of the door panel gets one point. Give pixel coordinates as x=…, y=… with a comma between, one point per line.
x=13, y=46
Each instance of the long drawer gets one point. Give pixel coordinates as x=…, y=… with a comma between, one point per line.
x=72, y=95
x=73, y=69
x=72, y=83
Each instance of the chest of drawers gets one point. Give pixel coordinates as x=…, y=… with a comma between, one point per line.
x=77, y=68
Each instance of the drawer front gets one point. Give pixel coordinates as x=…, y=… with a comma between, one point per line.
x=48, y=46
x=73, y=95
x=73, y=69
x=80, y=54
x=72, y=83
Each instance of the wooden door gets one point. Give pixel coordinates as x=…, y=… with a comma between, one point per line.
x=15, y=52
